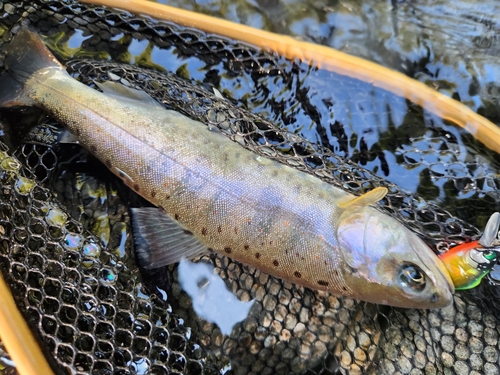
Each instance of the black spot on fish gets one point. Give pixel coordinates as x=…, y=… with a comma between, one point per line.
x=235, y=230
x=188, y=232
x=228, y=250
x=297, y=274
x=78, y=131
x=257, y=255
x=276, y=263
x=246, y=247
x=219, y=229
x=167, y=196
x=271, y=243
x=93, y=148
x=121, y=174
x=210, y=250
x=109, y=164
x=326, y=263
x=344, y=289
x=323, y=282
x=153, y=193
x=204, y=231
x=177, y=217
x=336, y=272
x=136, y=187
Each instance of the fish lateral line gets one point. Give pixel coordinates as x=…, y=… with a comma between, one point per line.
x=396, y=267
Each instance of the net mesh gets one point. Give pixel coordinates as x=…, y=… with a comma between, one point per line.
x=65, y=244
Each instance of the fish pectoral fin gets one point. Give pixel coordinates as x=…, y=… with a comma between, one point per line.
x=366, y=199
x=120, y=91
x=160, y=240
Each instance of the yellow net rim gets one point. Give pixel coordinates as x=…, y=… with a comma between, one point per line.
x=327, y=58
x=17, y=337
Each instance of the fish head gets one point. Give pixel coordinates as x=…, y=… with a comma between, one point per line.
x=388, y=264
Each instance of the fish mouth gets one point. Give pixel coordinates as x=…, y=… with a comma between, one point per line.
x=442, y=297
x=446, y=274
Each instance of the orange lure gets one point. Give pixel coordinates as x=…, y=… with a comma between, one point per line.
x=468, y=263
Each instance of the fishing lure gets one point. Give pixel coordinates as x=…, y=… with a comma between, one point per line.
x=469, y=262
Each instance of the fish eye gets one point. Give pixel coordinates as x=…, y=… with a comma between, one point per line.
x=412, y=276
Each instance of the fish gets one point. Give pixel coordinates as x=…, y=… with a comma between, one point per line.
x=211, y=194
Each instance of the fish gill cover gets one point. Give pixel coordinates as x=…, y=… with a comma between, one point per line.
x=82, y=293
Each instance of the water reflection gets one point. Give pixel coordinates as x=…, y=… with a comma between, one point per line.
x=449, y=45
x=211, y=299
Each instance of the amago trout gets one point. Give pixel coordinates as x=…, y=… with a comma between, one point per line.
x=211, y=193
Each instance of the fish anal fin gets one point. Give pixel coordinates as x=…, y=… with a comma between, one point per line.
x=160, y=240
x=120, y=91
x=371, y=197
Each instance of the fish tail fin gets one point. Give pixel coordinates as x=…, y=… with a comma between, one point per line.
x=25, y=55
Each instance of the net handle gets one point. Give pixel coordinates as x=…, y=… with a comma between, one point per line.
x=17, y=337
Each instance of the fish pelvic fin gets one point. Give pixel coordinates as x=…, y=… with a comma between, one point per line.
x=373, y=196
x=160, y=240
x=25, y=55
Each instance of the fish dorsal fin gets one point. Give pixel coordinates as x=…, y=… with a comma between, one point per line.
x=160, y=240
x=120, y=91
x=373, y=196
